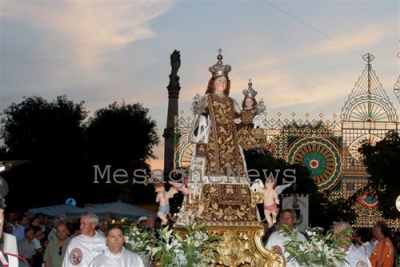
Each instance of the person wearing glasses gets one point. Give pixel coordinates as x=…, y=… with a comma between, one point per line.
x=56, y=248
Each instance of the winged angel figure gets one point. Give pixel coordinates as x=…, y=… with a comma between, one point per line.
x=271, y=199
x=191, y=206
x=163, y=197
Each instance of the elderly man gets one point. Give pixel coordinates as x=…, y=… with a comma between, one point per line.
x=8, y=249
x=116, y=255
x=56, y=248
x=88, y=244
x=276, y=239
x=354, y=256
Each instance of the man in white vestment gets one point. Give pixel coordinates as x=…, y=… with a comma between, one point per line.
x=116, y=255
x=276, y=239
x=83, y=248
x=354, y=256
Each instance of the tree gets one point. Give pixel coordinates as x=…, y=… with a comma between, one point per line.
x=122, y=137
x=36, y=128
x=50, y=137
x=382, y=161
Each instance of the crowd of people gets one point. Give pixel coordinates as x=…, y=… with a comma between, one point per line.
x=378, y=246
x=57, y=242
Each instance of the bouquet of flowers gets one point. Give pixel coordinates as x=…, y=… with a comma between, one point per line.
x=318, y=250
x=139, y=241
x=170, y=248
x=186, y=249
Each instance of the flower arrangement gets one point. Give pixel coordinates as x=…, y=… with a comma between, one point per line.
x=318, y=250
x=171, y=248
x=190, y=248
x=139, y=241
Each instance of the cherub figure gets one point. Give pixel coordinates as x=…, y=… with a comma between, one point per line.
x=271, y=199
x=163, y=197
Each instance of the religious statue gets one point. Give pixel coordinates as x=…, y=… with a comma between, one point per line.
x=251, y=123
x=249, y=111
x=218, y=162
x=163, y=197
x=175, y=65
x=217, y=190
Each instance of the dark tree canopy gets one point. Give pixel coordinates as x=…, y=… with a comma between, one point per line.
x=50, y=137
x=61, y=151
x=122, y=132
x=36, y=128
x=122, y=136
x=382, y=161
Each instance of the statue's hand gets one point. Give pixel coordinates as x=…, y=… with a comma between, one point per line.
x=277, y=249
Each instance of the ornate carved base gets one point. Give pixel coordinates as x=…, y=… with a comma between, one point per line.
x=242, y=246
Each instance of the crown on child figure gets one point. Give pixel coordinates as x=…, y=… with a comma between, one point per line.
x=219, y=69
x=250, y=92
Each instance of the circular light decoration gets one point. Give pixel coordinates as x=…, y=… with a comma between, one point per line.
x=398, y=203
x=356, y=144
x=321, y=157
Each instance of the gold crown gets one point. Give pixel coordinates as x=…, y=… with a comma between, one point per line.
x=219, y=69
x=250, y=92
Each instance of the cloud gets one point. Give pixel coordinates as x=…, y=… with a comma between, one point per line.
x=88, y=29
x=331, y=45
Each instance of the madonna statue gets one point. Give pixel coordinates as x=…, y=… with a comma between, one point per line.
x=218, y=172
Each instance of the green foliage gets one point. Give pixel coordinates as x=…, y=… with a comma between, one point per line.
x=122, y=136
x=382, y=161
x=171, y=248
x=190, y=249
x=137, y=240
x=340, y=210
x=62, y=146
x=115, y=132
x=318, y=250
x=36, y=128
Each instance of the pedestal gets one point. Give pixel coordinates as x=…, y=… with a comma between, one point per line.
x=241, y=246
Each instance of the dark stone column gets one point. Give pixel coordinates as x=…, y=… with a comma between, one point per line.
x=173, y=95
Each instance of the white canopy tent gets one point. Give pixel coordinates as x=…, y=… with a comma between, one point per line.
x=56, y=210
x=116, y=209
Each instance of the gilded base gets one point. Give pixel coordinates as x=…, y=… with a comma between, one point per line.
x=241, y=246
